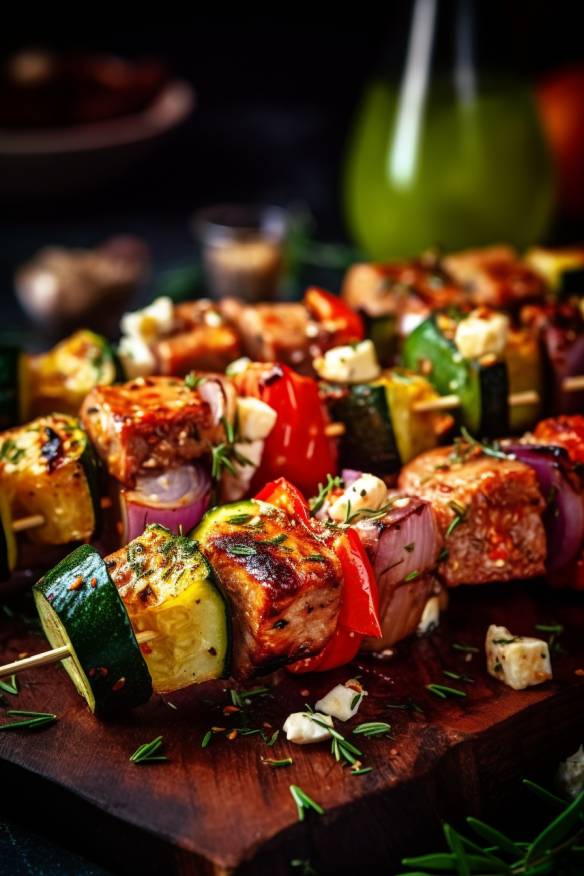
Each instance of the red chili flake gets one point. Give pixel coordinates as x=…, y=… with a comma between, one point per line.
x=76, y=584
x=23, y=654
x=103, y=671
x=267, y=725
x=93, y=582
x=145, y=648
x=119, y=684
x=579, y=672
x=305, y=692
x=232, y=735
x=230, y=710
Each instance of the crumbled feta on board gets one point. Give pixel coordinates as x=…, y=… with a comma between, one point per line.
x=430, y=618
x=150, y=322
x=481, y=333
x=367, y=492
x=302, y=730
x=355, y=363
x=570, y=775
x=343, y=700
x=518, y=661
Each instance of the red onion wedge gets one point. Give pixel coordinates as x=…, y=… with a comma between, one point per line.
x=177, y=499
x=403, y=547
x=563, y=517
x=564, y=345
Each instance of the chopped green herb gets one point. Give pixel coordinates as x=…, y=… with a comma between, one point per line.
x=31, y=720
x=304, y=803
x=315, y=558
x=11, y=686
x=284, y=762
x=456, y=676
x=206, y=738
x=460, y=646
x=373, y=728
x=239, y=519
x=148, y=753
x=193, y=381
x=411, y=576
x=242, y=550
x=277, y=539
x=362, y=771
x=317, y=502
x=442, y=691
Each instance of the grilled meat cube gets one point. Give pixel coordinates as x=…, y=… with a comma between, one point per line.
x=274, y=332
x=155, y=422
x=283, y=582
x=400, y=288
x=403, y=547
x=495, y=277
x=201, y=340
x=489, y=511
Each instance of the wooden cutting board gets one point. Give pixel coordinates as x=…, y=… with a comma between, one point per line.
x=222, y=808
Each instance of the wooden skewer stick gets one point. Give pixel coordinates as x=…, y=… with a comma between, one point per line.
x=573, y=384
x=33, y=521
x=55, y=655
x=451, y=402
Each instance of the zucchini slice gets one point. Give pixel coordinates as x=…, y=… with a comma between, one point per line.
x=482, y=385
x=167, y=586
x=48, y=467
x=65, y=375
x=369, y=442
x=415, y=431
x=7, y=540
x=526, y=372
x=79, y=606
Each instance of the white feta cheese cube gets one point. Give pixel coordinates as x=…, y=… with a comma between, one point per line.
x=430, y=616
x=367, y=492
x=351, y=364
x=255, y=419
x=302, y=730
x=570, y=775
x=151, y=322
x=238, y=366
x=136, y=357
x=518, y=661
x=342, y=701
x=482, y=332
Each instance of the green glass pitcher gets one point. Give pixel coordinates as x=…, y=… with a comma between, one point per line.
x=446, y=154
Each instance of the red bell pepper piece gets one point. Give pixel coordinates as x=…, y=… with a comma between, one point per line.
x=360, y=605
x=341, y=649
x=297, y=448
x=341, y=321
x=285, y=496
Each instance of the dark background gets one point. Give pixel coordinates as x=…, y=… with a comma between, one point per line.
x=276, y=95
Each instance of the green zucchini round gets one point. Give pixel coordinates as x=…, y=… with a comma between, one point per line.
x=79, y=606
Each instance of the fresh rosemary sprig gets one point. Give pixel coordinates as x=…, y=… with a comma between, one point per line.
x=225, y=455
x=304, y=803
x=10, y=686
x=242, y=550
x=468, y=649
x=341, y=748
x=193, y=381
x=443, y=691
x=555, y=631
x=558, y=848
x=148, y=752
x=372, y=728
x=284, y=762
x=30, y=720
x=332, y=483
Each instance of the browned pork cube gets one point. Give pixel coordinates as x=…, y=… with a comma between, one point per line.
x=274, y=332
x=495, y=277
x=152, y=423
x=282, y=581
x=489, y=511
x=201, y=340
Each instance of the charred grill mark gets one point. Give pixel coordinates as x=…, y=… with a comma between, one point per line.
x=52, y=449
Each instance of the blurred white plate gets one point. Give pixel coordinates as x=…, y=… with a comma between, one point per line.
x=55, y=161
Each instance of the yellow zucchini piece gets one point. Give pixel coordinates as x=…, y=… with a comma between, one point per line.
x=525, y=370
x=168, y=587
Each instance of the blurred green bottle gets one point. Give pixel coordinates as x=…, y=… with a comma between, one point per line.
x=445, y=153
